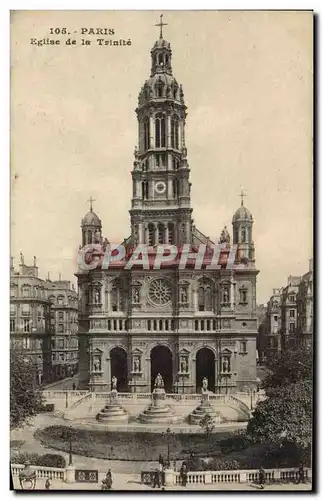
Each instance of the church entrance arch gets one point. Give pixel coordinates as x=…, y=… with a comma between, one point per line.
x=161, y=360
x=119, y=368
x=205, y=367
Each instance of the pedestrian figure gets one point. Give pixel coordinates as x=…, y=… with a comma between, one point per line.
x=156, y=479
x=262, y=477
x=74, y=386
x=47, y=484
x=183, y=475
x=107, y=481
x=301, y=473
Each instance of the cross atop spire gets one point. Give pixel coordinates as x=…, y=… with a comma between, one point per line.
x=91, y=200
x=160, y=25
x=242, y=195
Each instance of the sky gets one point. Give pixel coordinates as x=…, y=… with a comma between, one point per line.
x=247, y=81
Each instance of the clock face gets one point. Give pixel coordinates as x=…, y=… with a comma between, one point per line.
x=160, y=187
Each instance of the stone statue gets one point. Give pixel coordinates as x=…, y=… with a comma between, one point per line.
x=97, y=296
x=136, y=365
x=159, y=382
x=97, y=364
x=22, y=260
x=183, y=365
x=225, y=236
x=135, y=295
x=169, y=91
x=183, y=295
x=204, y=384
x=225, y=365
x=114, y=383
x=225, y=295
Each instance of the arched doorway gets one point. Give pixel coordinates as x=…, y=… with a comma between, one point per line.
x=162, y=362
x=119, y=368
x=205, y=367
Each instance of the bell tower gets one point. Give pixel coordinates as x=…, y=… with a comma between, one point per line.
x=161, y=205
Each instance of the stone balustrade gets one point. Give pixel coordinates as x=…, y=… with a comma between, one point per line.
x=41, y=472
x=173, y=478
x=237, y=476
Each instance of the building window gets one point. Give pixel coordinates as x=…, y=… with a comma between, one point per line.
x=292, y=298
x=61, y=316
x=292, y=313
x=12, y=310
x=61, y=343
x=160, y=131
x=26, y=325
x=205, y=298
x=243, y=347
x=60, y=328
x=291, y=327
x=61, y=356
x=275, y=317
x=151, y=234
x=243, y=295
x=175, y=188
x=114, y=299
x=144, y=190
x=12, y=325
x=146, y=133
x=25, y=309
x=25, y=291
x=174, y=132
x=60, y=300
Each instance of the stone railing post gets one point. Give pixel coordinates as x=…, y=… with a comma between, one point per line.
x=70, y=474
x=169, y=477
x=276, y=475
x=208, y=478
x=243, y=477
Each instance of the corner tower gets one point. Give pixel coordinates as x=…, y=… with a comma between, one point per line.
x=161, y=206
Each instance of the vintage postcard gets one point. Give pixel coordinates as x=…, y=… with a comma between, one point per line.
x=161, y=274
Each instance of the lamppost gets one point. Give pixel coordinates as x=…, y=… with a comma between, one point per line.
x=167, y=435
x=69, y=437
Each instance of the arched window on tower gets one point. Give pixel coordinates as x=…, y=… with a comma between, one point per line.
x=175, y=163
x=171, y=233
x=174, y=132
x=161, y=233
x=205, y=297
x=151, y=234
x=160, y=131
x=243, y=235
x=175, y=188
x=89, y=237
x=144, y=190
x=175, y=89
x=146, y=133
x=160, y=89
x=160, y=59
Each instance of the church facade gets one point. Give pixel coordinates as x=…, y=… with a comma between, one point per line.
x=188, y=324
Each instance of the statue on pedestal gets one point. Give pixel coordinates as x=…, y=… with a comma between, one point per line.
x=97, y=364
x=183, y=365
x=114, y=382
x=136, y=365
x=159, y=382
x=204, y=384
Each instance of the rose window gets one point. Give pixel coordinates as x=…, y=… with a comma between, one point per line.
x=160, y=293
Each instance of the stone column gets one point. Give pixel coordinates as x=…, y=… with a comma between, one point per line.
x=107, y=372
